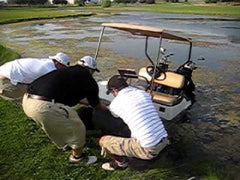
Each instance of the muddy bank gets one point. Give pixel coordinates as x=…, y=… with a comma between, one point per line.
x=213, y=125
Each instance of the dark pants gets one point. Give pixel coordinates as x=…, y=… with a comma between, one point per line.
x=103, y=120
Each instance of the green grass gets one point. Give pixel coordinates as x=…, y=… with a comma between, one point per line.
x=27, y=153
x=190, y=9
x=182, y=8
x=12, y=15
x=7, y=54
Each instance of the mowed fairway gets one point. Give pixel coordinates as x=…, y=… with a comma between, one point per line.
x=219, y=10
x=12, y=15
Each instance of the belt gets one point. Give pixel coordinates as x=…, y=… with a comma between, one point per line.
x=23, y=83
x=37, y=97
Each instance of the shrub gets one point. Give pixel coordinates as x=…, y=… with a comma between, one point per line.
x=28, y=1
x=37, y=1
x=129, y=1
x=150, y=1
x=133, y=1
x=19, y=1
x=106, y=3
x=60, y=2
x=80, y=2
x=210, y=1
x=228, y=0
x=173, y=1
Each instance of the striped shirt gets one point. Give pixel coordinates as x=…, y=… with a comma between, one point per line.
x=137, y=110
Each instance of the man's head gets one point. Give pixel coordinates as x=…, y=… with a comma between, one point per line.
x=60, y=60
x=115, y=84
x=90, y=63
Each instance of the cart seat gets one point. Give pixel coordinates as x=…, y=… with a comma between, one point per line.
x=172, y=79
x=163, y=98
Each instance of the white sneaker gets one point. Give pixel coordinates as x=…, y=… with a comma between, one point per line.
x=113, y=165
x=83, y=160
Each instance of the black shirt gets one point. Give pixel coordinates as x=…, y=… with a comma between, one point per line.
x=67, y=86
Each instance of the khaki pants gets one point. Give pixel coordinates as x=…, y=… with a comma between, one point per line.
x=61, y=123
x=12, y=92
x=131, y=148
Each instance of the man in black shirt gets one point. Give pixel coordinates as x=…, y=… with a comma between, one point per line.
x=49, y=99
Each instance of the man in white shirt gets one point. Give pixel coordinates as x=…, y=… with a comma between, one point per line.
x=16, y=75
x=148, y=134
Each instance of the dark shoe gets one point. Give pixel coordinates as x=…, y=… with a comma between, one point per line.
x=83, y=160
x=67, y=148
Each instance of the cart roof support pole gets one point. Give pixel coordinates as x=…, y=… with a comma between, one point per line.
x=155, y=65
x=146, y=48
x=190, y=52
x=99, y=43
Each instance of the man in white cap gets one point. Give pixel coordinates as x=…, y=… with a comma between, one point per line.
x=17, y=74
x=49, y=100
x=89, y=62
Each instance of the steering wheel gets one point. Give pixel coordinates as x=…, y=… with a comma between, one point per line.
x=144, y=86
x=158, y=72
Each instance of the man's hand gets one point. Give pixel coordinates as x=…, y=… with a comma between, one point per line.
x=84, y=101
x=101, y=107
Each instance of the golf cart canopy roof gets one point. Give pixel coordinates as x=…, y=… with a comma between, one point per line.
x=145, y=31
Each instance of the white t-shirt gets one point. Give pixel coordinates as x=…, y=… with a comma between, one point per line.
x=137, y=110
x=26, y=70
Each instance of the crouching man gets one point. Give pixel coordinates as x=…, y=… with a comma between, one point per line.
x=15, y=76
x=148, y=135
x=49, y=101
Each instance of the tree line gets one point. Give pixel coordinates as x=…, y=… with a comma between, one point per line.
x=35, y=2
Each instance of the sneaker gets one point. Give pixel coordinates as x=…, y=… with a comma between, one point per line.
x=83, y=160
x=114, y=165
x=67, y=148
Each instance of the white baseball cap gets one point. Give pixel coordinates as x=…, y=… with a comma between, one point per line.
x=61, y=58
x=89, y=62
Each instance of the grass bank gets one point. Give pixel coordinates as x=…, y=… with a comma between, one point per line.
x=7, y=54
x=181, y=8
x=13, y=15
x=27, y=153
x=178, y=8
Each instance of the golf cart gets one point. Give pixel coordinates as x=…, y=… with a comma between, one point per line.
x=171, y=91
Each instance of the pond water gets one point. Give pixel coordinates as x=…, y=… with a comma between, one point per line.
x=215, y=39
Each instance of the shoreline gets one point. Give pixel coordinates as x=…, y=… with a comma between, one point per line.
x=20, y=14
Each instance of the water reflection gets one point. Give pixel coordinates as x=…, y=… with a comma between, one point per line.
x=216, y=40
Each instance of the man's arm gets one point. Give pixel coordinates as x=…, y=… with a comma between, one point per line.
x=2, y=77
x=84, y=101
x=101, y=107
